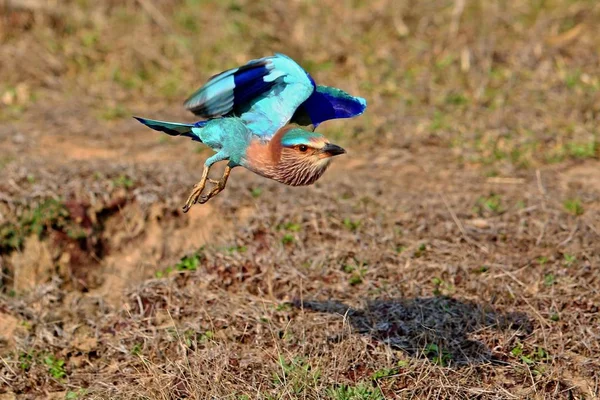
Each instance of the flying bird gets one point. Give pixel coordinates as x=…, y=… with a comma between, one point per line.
x=257, y=117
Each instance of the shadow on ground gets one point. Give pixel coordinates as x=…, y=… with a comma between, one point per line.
x=437, y=328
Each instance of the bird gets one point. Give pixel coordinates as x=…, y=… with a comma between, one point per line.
x=262, y=116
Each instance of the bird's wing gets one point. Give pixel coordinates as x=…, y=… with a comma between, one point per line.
x=264, y=93
x=222, y=92
x=327, y=103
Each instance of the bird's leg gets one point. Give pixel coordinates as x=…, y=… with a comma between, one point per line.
x=219, y=186
x=198, y=188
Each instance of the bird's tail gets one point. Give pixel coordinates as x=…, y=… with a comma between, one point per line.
x=173, y=128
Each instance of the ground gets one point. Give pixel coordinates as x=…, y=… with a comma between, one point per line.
x=452, y=253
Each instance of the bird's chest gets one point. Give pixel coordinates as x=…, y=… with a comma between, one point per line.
x=259, y=158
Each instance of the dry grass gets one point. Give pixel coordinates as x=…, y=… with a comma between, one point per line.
x=452, y=254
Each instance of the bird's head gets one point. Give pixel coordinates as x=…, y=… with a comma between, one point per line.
x=303, y=157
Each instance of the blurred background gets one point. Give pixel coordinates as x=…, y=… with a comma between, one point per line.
x=473, y=175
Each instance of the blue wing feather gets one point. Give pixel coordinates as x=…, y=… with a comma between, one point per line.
x=327, y=103
x=249, y=86
x=229, y=89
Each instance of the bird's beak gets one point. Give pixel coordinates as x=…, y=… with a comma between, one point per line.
x=333, y=150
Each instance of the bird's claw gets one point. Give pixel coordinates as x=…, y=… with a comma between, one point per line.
x=192, y=199
x=206, y=197
x=197, y=197
x=196, y=191
x=219, y=186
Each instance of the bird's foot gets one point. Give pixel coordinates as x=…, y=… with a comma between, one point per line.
x=193, y=197
x=198, y=188
x=219, y=186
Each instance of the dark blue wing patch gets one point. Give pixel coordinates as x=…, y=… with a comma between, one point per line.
x=249, y=84
x=327, y=103
x=230, y=90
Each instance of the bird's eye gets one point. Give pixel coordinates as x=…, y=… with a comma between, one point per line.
x=303, y=148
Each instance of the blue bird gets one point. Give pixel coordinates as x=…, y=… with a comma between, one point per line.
x=254, y=117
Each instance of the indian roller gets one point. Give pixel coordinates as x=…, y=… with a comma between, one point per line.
x=256, y=116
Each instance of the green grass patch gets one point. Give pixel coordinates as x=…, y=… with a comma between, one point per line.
x=582, y=150
x=437, y=354
x=573, y=206
x=384, y=373
x=288, y=238
x=351, y=225
x=74, y=395
x=420, y=251
x=123, y=181
x=533, y=358
x=190, y=263
x=56, y=366
x=187, y=263
x=360, y=391
x=114, y=113
x=549, y=279
x=25, y=360
x=356, y=272
x=256, y=192
x=486, y=205
x=292, y=227
x=297, y=374
x=136, y=349
x=456, y=99
x=569, y=259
